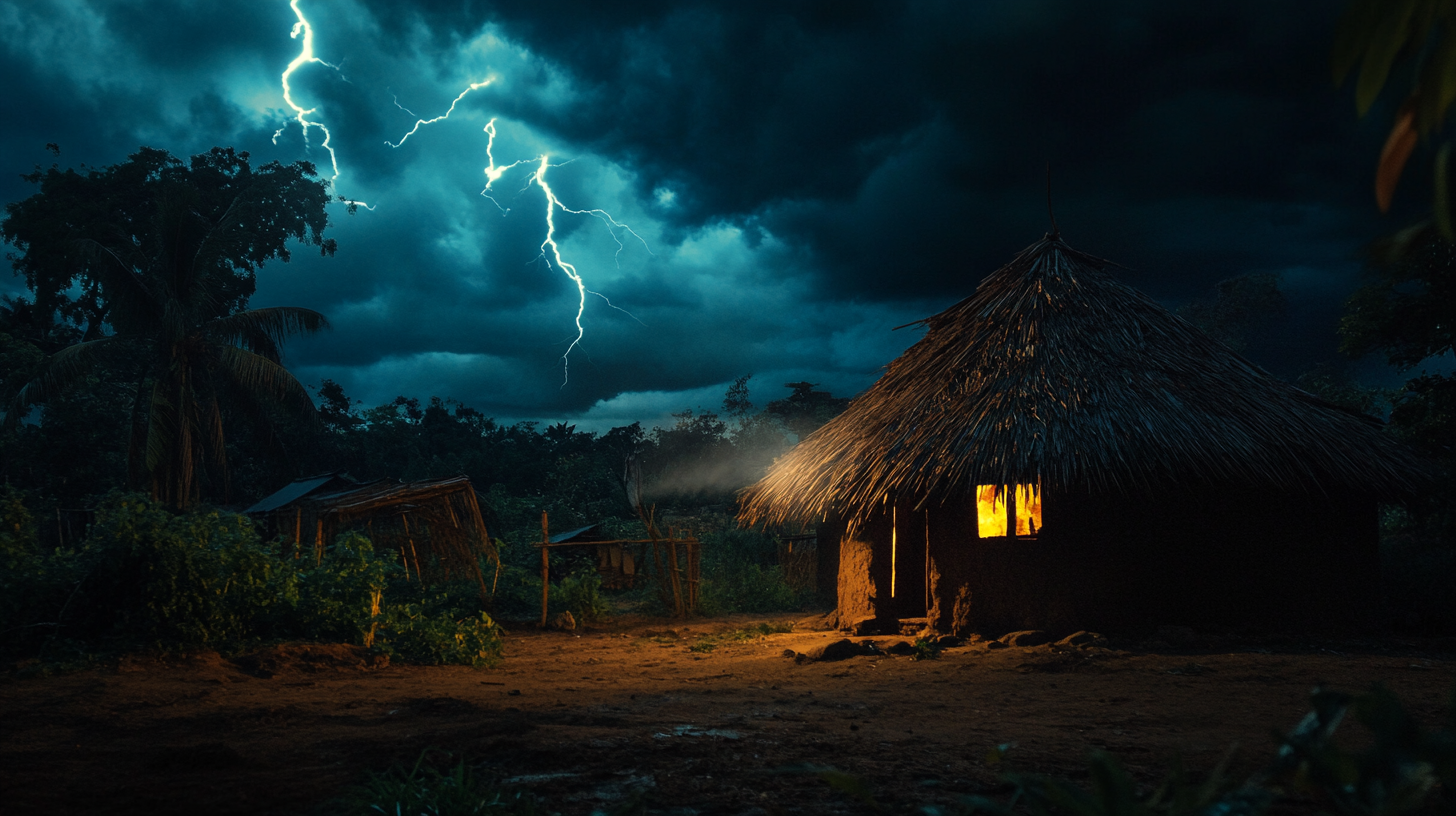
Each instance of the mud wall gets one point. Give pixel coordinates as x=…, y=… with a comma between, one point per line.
x=1212, y=560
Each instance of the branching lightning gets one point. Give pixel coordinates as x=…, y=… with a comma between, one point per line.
x=550, y=249
x=305, y=56
x=446, y=115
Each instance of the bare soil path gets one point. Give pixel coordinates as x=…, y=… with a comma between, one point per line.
x=590, y=720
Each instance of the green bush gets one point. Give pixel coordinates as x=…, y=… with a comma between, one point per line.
x=148, y=577
x=36, y=584
x=413, y=634
x=581, y=594
x=202, y=579
x=341, y=597
x=740, y=574
x=745, y=587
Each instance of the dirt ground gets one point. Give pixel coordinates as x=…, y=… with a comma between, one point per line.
x=628, y=712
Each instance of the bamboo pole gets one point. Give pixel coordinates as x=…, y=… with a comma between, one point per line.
x=545, y=566
x=473, y=506
x=677, y=594
x=694, y=577
x=404, y=517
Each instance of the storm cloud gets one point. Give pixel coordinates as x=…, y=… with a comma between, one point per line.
x=803, y=176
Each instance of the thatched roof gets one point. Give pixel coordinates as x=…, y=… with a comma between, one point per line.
x=1055, y=371
x=437, y=517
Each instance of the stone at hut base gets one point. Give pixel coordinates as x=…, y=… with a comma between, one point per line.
x=562, y=621
x=1029, y=637
x=838, y=650
x=862, y=627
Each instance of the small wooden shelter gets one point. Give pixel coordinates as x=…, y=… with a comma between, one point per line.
x=1059, y=451
x=435, y=525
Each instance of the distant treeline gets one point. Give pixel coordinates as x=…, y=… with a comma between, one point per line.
x=73, y=449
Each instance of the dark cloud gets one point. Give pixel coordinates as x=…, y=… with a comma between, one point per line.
x=806, y=175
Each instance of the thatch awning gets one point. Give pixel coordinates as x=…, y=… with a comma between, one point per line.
x=1055, y=372
x=434, y=524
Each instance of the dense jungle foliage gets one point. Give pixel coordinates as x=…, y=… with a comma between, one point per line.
x=141, y=390
x=140, y=387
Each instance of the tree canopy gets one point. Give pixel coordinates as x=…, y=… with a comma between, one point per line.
x=81, y=229
x=164, y=255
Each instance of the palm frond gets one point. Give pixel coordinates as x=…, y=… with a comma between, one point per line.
x=263, y=330
x=162, y=427
x=257, y=374
x=63, y=371
x=220, y=240
x=132, y=295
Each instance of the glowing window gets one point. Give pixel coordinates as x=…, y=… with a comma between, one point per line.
x=1028, y=510
x=990, y=511
x=993, y=518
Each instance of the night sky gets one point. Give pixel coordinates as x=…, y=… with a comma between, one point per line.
x=805, y=176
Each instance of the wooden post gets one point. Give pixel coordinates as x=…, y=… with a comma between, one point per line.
x=927, y=560
x=404, y=517
x=472, y=505
x=1011, y=511
x=693, y=577
x=545, y=566
x=318, y=541
x=677, y=594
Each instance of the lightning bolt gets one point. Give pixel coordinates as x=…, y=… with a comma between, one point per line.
x=550, y=249
x=549, y=245
x=446, y=115
x=300, y=114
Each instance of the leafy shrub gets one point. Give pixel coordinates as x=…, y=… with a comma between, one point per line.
x=340, y=598
x=35, y=584
x=581, y=594
x=419, y=637
x=739, y=575
x=925, y=649
x=205, y=580
x=744, y=587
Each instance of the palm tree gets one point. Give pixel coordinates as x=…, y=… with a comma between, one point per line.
x=171, y=293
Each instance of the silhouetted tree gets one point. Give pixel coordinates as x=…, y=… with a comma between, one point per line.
x=168, y=269
x=804, y=409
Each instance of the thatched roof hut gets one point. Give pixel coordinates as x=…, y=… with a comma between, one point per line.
x=435, y=524
x=1056, y=377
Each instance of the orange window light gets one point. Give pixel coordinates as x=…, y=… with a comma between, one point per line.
x=1028, y=510
x=991, y=515
x=990, y=511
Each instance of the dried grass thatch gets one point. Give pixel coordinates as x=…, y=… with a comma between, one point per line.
x=435, y=525
x=1055, y=372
